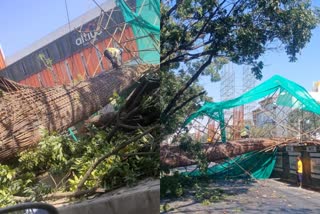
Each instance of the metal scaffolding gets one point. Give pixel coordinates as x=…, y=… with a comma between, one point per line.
x=118, y=37
x=248, y=82
x=227, y=87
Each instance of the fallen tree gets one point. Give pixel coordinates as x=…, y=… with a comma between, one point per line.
x=24, y=111
x=121, y=147
x=174, y=156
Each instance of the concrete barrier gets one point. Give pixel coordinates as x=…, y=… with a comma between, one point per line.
x=141, y=199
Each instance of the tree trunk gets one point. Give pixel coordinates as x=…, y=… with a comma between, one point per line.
x=24, y=111
x=173, y=156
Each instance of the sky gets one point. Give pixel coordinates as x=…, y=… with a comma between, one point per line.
x=304, y=71
x=26, y=21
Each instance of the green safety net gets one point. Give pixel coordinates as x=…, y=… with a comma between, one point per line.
x=255, y=165
x=290, y=95
x=145, y=23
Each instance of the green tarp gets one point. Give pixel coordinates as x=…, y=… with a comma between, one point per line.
x=145, y=23
x=255, y=165
x=291, y=95
x=259, y=165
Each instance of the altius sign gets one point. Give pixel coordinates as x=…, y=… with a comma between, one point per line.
x=86, y=37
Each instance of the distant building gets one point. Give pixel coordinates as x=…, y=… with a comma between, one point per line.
x=315, y=93
x=269, y=114
x=261, y=116
x=2, y=59
x=316, y=86
x=73, y=55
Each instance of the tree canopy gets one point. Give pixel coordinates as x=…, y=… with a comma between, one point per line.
x=199, y=34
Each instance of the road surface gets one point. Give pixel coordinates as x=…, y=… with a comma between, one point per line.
x=267, y=196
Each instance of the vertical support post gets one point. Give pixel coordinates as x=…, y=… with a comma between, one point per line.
x=303, y=137
x=222, y=126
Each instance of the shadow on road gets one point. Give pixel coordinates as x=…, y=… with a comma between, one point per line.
x=244, y=196
x=205, y=192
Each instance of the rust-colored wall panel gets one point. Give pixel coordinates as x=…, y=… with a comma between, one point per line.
x=130, y=45
x=23, y=82
x=73, y=67
x=2, y=61
x=90, y=57
x=57, y=71
x=94, y=61
x=43, y=79
x=79, y=71
x=61, y=72
x=32, y=81
x=47, y=78
x=102, y=46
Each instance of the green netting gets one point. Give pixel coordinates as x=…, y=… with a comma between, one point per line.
x=145, y=23
x=257, y=165
x=290, y=95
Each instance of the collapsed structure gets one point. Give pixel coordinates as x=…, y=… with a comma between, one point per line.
x=284, y=105
x=63, y=78
x=278, y=95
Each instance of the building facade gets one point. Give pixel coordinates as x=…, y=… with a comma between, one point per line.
x=73, y=53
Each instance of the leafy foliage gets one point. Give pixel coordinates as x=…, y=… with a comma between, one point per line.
x=168, y=90
x=165, y=208
x=51, y=153
x=58, y=164
x=199, y=37
x=173, y=186
x=240, y=31
x=116, y=101
x=209, y=196
x=195, y=148
x=178, y=185
x=307, y=121
x=46, y=61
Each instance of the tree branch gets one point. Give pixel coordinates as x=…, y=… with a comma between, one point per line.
x=187, y=46
x=192, y=56
x=185, y=102
x=172, y=103
x=178, y=2
x=77, y=193
x=113, y=152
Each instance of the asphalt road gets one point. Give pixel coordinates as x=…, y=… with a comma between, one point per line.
x=267, y=196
